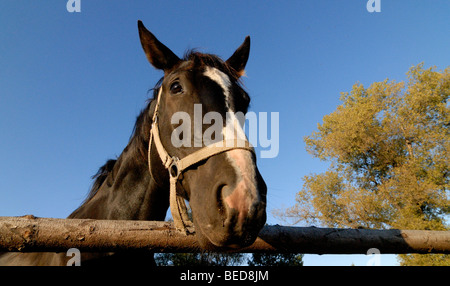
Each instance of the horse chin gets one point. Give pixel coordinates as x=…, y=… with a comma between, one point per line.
x=214, y=241
x=210, y=245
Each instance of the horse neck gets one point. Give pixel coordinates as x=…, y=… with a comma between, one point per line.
x=127, y=193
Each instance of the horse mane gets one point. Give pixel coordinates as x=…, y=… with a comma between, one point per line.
x=101, y=176
x=142, y=121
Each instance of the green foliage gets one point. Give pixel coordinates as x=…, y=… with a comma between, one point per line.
x=227, y=259
x=287, y=259
x=199, y=259
x=389, y=149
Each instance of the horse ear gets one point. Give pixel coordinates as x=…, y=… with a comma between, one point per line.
x=160, y=56
x=239, y=59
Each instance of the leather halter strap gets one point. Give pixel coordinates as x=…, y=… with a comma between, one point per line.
x=176, y=166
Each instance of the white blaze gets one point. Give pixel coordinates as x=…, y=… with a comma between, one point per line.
x=240, y=159
x=232, y=127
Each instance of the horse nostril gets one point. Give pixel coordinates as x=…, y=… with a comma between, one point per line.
x=219, y=199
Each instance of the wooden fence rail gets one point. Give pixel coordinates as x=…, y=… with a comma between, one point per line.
x=31, y=234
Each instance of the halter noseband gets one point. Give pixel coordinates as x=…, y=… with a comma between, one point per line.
x=176, y=166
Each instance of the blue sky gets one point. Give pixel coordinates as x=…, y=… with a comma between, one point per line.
x=72, y=84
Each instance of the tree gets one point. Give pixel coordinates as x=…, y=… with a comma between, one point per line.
x=281, y=259
x=228, y=259
x=389, y=151
x=199, y=259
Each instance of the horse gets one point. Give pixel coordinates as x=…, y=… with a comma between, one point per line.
x=224, y=188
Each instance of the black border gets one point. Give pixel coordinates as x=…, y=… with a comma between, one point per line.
x=350, y=275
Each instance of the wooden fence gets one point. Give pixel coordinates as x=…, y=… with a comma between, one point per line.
x=31, y=234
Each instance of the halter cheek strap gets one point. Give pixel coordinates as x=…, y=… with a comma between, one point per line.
x=176, y=166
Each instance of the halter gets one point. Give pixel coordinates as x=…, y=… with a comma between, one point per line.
x=176, y=166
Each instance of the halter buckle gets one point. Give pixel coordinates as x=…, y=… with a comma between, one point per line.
x=174, y=171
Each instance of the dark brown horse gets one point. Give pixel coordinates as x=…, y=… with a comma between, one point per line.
x=225, y=191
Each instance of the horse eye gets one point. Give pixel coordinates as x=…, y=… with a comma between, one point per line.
x=176, y=88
